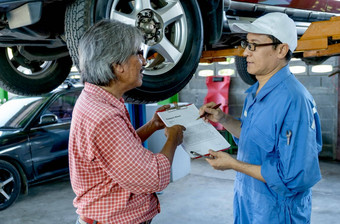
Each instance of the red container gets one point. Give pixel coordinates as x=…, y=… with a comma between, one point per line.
x=218, y=92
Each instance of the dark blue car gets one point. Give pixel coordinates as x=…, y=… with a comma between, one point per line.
x=34, y=134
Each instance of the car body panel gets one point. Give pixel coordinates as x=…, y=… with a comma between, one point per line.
x=49, y=149
x=41, y=150
x=315, y=5
x=14, y=146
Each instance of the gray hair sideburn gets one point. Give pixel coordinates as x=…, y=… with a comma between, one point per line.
x=106, y=43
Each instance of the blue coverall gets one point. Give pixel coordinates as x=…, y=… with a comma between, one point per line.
x=281, y=132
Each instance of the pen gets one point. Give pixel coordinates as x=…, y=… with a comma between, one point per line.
x=204, y=114
x=197, y=154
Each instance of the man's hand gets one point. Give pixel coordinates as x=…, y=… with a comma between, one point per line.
x=152, y=125
x=175, y=133
x=174, y=136
x=215, y=115
x=221, y=160
x=156, y=120
x=224, y=161
x=231, y=124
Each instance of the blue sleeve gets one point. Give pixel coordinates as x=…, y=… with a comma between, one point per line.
x=295, y=167
x=236, y=140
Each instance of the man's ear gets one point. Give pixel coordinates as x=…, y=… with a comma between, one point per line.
x=283, y=50
x=118, y=68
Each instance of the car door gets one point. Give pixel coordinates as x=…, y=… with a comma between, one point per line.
x=49, y=142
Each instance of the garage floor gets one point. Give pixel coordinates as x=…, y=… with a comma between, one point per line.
x=203, y=196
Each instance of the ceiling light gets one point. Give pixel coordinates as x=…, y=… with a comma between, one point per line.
x=205, y=73
x=297, y=69
x=204, y=64
x=227, y=62
x=295, y=59
x=226, y=72
x=322, y=68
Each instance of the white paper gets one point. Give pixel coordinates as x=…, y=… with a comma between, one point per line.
x=199, y=136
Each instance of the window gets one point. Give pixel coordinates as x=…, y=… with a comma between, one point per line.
x=62, y=107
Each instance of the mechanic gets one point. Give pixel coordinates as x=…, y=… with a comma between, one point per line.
x=113, y=176
x=278, y=135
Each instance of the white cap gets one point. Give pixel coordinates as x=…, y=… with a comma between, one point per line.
x=276, y=24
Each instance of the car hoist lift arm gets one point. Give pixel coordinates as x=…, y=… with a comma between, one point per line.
x=322, y=38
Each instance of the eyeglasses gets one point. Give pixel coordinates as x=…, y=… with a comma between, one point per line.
x=252, y=46
x=140, y=52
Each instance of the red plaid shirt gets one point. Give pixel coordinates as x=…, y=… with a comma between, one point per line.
x=113, y=176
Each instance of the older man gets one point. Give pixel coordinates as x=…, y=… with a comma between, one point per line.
x=113, y=176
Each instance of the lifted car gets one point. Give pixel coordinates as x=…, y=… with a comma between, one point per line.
x=38, y=38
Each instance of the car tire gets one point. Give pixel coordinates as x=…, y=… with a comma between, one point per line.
x=20, y=76
x=241, y=66
x=10, y=184
x=315, y=60
x=177, y=46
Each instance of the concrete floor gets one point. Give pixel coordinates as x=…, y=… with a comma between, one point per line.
x=203, y=196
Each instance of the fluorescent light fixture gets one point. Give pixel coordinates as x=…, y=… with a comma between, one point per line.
x=226, y=72
x=206, y=72
x=322, y=68
x=297, y=69
x=227, y=62
x=204, y=64
x=295, y=59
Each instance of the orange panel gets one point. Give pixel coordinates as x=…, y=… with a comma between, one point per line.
x=314, y=44
x=211, y=60
x=322, y=29
x=208, y=56
x=333, y=49
x=222, y=53
x=336, y=37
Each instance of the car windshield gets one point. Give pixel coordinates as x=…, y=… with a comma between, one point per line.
x=16, y=112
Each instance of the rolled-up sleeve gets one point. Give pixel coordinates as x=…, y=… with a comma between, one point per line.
x=295, y=167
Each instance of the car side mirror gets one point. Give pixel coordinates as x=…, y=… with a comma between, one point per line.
x=48, y=119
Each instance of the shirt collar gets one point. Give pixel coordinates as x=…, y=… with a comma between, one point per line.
x=104, y=96
x=275, y=80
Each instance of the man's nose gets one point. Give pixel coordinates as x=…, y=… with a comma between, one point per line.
x=246, y=52
x=143, y=61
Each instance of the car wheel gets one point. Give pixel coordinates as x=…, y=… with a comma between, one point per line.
x=315, y=60
x=24, y=77
x=173, y=32
x=241, y=66
x=10, y=184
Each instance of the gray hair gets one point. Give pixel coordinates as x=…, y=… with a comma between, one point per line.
x=106, y=43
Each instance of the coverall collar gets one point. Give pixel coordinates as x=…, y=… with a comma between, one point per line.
x=275, y=80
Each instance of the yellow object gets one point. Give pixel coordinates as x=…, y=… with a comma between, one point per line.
x=318, y=40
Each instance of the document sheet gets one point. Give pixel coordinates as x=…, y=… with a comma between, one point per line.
x=199, y=136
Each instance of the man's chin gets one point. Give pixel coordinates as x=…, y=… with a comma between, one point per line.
x=250, y=72
x=140, y=84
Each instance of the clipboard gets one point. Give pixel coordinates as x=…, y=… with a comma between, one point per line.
x=199, y=136
x=175, y=107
